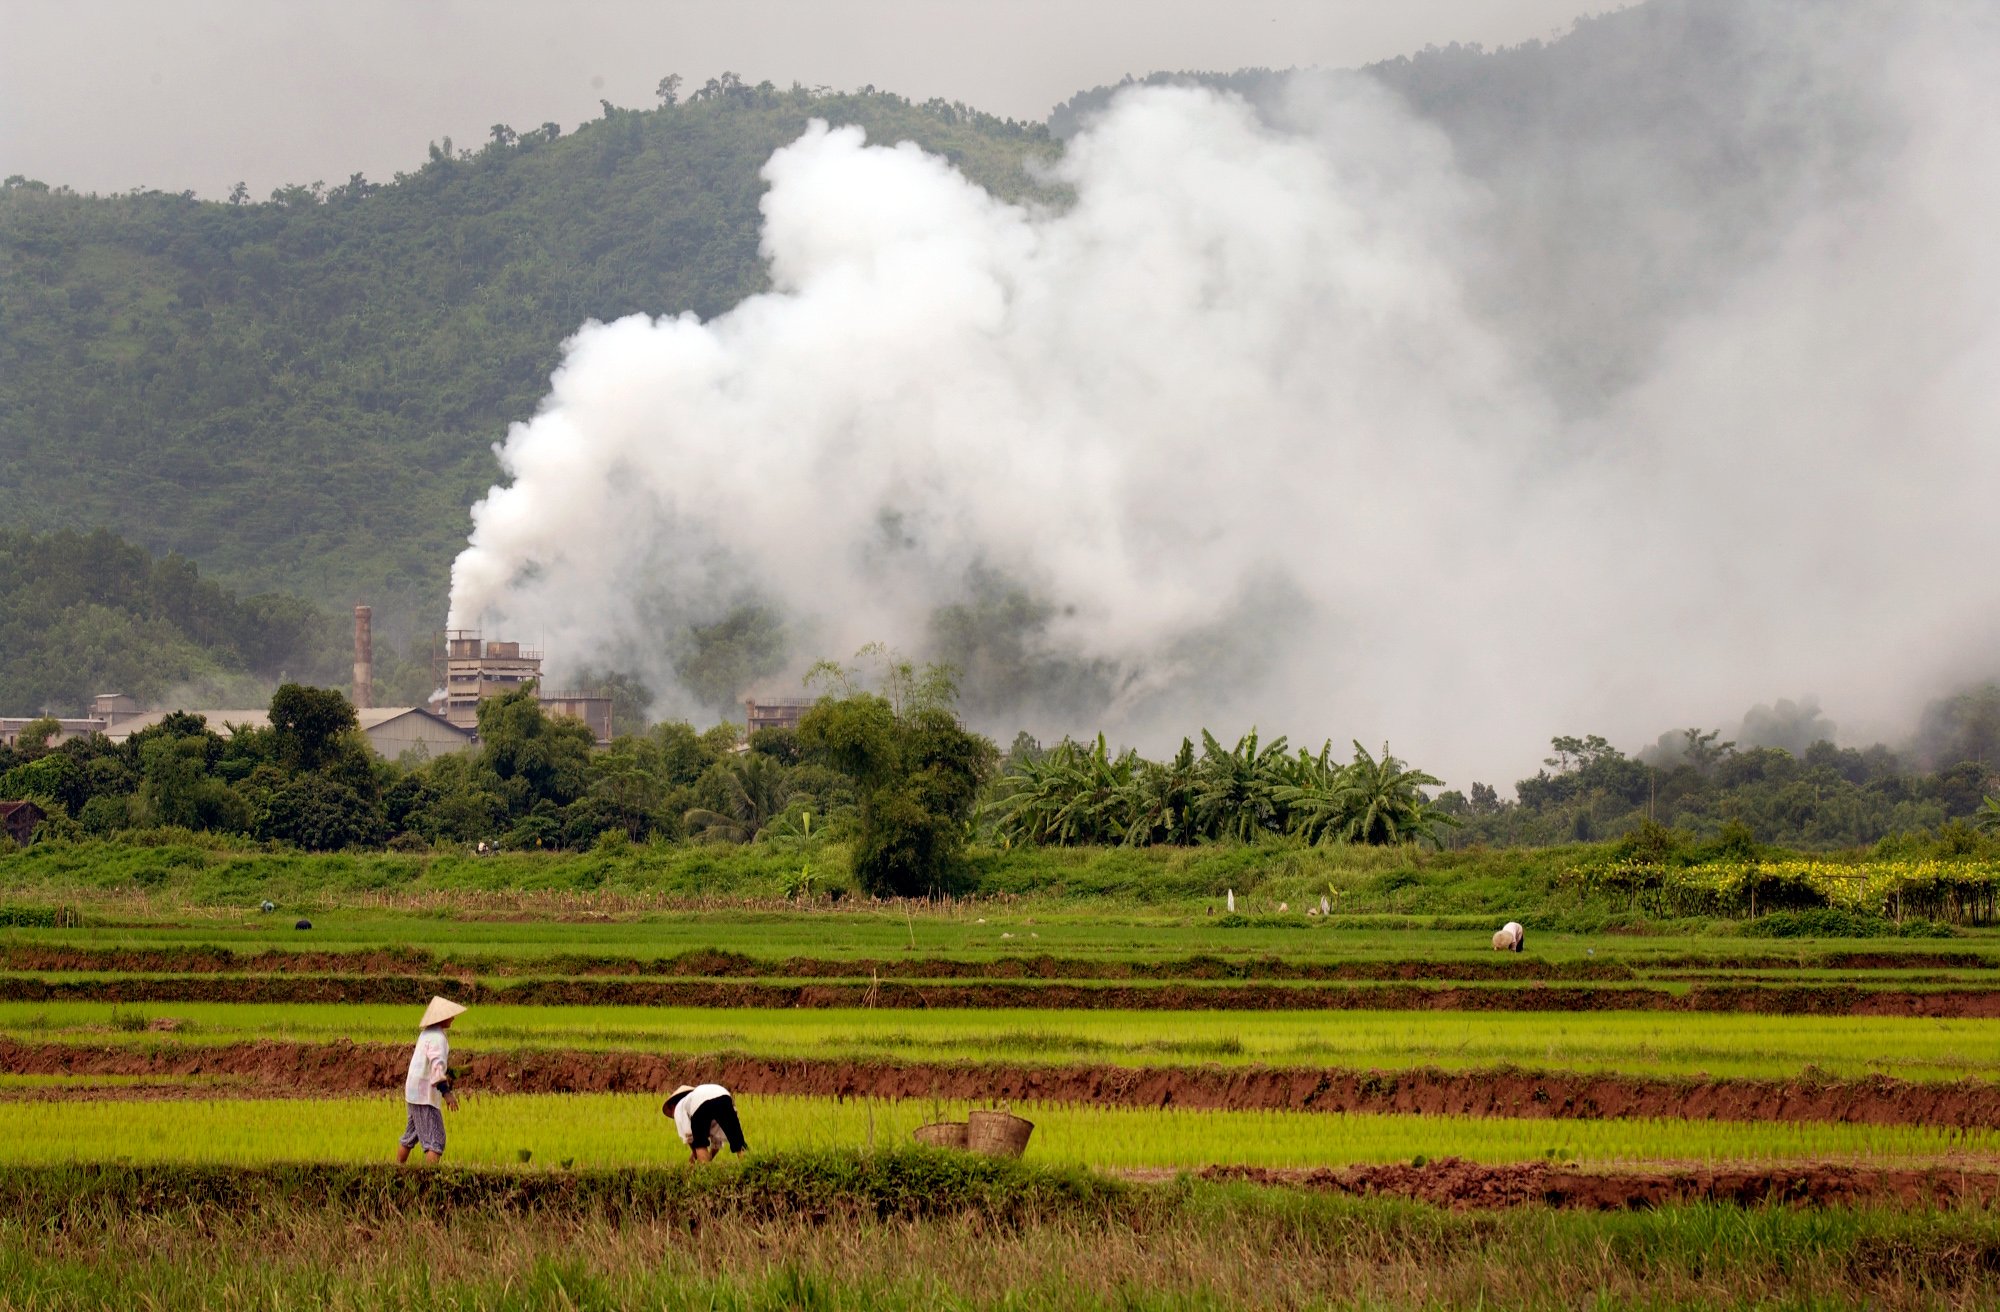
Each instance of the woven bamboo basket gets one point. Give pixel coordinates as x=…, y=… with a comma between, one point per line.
x=997, y=1134
x=941, y=1134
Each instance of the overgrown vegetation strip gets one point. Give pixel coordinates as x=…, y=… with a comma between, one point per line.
x=891, y=1231
x=293, y=1070
x=816, y=1186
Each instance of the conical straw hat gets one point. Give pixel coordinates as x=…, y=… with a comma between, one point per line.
x=440, y=1010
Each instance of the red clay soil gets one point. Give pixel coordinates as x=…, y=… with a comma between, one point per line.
x=1800, y=999
x=1458, y=1184
x=317, y=1069
x=711, y=964
x=732, y=965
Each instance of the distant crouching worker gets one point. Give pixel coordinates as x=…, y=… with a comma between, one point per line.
x=427, y=1088
x=705, y=1116
x=1511, y=938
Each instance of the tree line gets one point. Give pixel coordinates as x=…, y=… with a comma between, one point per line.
x=1818, y=797
x=887, y=767
x=893, y=773
x=1083, y=794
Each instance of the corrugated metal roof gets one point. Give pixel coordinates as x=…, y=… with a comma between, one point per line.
x=372, y=717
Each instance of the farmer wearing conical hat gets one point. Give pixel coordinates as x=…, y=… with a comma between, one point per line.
x=705, y=1117
x=427, y=1088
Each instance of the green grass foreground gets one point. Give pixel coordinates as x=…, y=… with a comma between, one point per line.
x=619, y=1130
x=840, y=1231
x=1649, y=1044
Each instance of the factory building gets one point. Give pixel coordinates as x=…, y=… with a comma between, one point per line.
x=106, y=709
x=477, y=668
x=774, y=712
x=390, y=730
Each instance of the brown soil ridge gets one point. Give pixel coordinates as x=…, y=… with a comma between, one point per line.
x=712, y=964
x=1461, y=1185
x=1787, y=1000
x=708, y=963
x=316, y=1069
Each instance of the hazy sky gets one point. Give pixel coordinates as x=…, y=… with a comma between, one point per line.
x=107, y=95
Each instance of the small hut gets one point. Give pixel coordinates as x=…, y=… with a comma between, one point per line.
x=18, y=820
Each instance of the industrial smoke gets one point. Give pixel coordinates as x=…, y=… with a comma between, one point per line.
x=1329, y=415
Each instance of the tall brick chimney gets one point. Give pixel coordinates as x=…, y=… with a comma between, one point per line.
x=364, y=657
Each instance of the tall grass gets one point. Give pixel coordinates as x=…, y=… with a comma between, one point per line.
x=205, y=870
x=836, y=1234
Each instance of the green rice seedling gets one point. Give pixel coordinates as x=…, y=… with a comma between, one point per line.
x=1701, y=1045
x=605, y=1130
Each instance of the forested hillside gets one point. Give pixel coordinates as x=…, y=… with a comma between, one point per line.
x=82, y=614
x=301, y=394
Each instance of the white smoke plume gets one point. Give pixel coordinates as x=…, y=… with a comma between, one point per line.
x=1278, y=421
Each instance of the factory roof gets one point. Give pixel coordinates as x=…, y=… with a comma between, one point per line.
x=370, y=717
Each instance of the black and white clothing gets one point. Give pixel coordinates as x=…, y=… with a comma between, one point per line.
x=705, y=1109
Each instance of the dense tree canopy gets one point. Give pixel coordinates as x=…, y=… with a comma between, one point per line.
x=84, y=613
x=1695, y=781
x=916, y=771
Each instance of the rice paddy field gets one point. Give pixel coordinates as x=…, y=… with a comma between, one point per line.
x=1737, y=1046
x=602, y=1131
x=1378, y=1113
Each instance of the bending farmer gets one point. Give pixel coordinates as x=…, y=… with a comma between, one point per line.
x=705, y=1115
x=427, y=1088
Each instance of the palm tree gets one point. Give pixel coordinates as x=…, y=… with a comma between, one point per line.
x=754, y=793
x=1235, y=792
x=1382, y=801
x=1315, y=801
x=1160, y=801
x=1071, y=795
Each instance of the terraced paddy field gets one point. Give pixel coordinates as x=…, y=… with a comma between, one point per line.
x=1797, y=1123
x=1006, y=940
x=627, y=1130
x=1729, y=1046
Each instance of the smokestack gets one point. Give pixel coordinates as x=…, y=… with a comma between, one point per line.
x=364, y=657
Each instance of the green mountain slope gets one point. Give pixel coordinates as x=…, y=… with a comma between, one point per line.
x=89, y=613
x=302, y=395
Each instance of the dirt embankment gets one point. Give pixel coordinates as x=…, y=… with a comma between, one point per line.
x=712, y=964
x=1799, y=1000
x=1460, y=1184
x=732, y=965
x=309, y=1069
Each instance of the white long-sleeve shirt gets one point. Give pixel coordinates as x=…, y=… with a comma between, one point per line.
x=428, y=1068
x=684, y=1110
